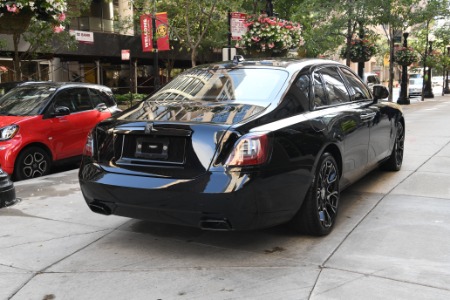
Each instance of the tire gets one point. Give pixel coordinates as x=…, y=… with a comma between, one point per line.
x=394, y=163
x=32, y=162
x=320, y=207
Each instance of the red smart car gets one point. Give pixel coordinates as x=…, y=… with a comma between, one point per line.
x=45, y=122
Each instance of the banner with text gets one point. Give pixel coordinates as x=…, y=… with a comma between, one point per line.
x=162, y=32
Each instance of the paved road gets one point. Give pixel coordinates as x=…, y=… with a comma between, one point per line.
x=391, y=241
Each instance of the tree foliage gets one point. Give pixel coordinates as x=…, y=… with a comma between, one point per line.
x=45, y=28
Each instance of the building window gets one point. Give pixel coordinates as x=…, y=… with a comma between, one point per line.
x=99, y=17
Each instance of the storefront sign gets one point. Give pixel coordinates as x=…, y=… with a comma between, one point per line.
x=86, y=37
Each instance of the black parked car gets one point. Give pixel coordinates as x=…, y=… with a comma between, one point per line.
x=7, y=190
x=243, y=145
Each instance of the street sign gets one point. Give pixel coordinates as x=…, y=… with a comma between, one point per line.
x=237, y=25
x=125, y=54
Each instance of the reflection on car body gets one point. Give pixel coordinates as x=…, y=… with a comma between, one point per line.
x=46, y=122
x=237, y=146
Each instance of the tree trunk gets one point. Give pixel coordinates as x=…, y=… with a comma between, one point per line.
x=17, y=71
x=194, y=56
x=349, y=42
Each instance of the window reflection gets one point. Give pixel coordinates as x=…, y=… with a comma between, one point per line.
x=251, y=86
x=25, y=101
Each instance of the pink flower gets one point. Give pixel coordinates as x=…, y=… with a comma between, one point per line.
x=58, y=29
x=271, y=45
x=12, y=8
x=62, y=17
x=256, y=38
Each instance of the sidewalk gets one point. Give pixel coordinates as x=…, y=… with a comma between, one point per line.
x=391, y=240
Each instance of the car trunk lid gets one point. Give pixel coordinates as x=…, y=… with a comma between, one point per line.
x=176, y=141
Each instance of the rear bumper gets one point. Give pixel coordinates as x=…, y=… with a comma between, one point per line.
x=214, y=200
x=415, y=92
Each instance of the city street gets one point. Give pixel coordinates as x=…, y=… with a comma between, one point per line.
x=391, y=240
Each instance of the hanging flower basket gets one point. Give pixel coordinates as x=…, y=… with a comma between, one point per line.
x=405, y=56
x=269, y=36
x=360, y=50
x=11, y=23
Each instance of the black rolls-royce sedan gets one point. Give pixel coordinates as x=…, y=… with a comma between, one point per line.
x=243, y=145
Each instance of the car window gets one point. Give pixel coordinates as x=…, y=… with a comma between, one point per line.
x=303, y=84
x=244, y=86
x=296, y=99
x=98, y=97
x=26, y=100
x=373, y=79
x=416, y=81
x=357, y=89
x=63, y=99
x=76, y=99
x=334, y=85
x=320, y=98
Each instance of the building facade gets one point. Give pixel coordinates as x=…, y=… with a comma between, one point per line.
x=108, y=53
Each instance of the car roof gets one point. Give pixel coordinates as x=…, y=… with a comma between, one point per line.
x=59, y=85
x=289, y=64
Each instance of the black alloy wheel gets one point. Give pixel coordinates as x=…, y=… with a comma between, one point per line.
x=394, y=163
x=319, y=210
x=32, y=162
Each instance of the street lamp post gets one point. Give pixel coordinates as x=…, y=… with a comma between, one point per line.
x=155, y=52
x=446, y=87
x=428, y=90
x=361, y=63
x=404, y=95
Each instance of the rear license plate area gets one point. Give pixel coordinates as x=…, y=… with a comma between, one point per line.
x=152, y=148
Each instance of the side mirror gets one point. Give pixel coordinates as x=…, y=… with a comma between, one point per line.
x=380, y=92
x=101, y=107
x=61, y=111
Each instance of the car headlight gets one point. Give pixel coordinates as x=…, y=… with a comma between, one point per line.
x=8, y=132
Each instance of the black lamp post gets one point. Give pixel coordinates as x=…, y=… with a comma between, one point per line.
x=155, y=53
x=404, y=95
x=269, y=8
x=428, y=90
x=446, y=88
x=361, y=63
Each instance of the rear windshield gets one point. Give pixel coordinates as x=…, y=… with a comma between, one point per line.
x=25, y=100
x=416, y=81
x=246, y=86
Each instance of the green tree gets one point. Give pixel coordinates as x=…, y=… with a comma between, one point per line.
x=40, y=23
x=195, y=26
x=399, y=15
x=199, y=25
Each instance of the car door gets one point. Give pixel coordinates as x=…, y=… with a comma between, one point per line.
x=67, y=134
x=347, y=120
x=378, y=118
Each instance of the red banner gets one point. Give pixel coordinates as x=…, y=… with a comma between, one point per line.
x=162, y=32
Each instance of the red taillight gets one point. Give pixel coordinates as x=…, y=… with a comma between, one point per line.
x=89, y=146
x=251, y=149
